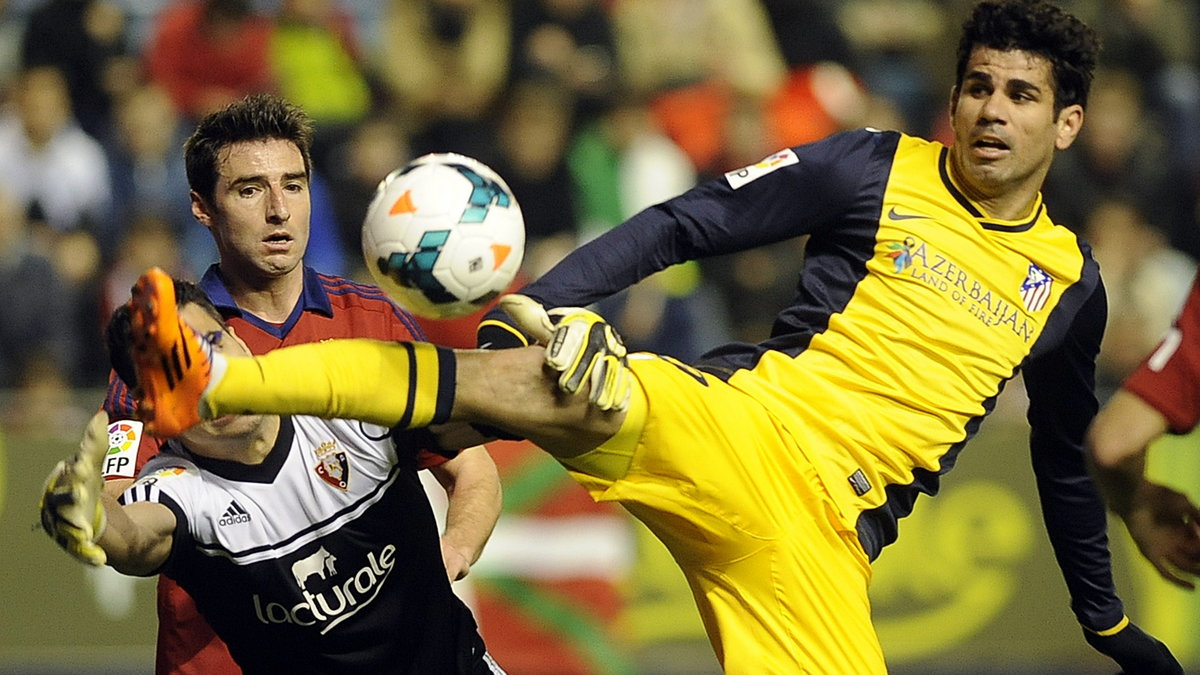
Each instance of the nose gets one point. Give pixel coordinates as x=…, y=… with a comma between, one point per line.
x=277, y=208
x=994, y=108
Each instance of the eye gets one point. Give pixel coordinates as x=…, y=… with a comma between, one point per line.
x=978, y=89
x=214, y=337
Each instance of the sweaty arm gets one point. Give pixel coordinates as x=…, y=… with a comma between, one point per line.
x=472, y=487
x=138, y=537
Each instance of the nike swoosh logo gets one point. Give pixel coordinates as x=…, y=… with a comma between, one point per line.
x=894, y=215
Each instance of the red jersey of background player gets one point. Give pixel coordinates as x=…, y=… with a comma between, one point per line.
x=1169, y=379
x=329, y=307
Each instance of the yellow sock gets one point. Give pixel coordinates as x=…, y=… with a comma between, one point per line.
x=400, y=384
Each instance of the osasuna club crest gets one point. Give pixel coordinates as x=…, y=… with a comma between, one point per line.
x=333, y=466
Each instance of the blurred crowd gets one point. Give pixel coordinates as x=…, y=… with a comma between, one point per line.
x=590, y=109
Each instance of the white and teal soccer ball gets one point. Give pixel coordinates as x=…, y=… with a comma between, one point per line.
x=443, y=236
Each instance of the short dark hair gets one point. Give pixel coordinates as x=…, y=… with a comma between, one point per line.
x=258, y=117
x=1071, y=47
x=118, y=333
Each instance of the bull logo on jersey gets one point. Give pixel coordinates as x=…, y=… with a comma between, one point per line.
x=320, y=563
x=331, y=598
x=333, y=465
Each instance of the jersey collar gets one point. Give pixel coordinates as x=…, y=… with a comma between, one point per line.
x=985, y=222
x=312, y=298
x=259, y=473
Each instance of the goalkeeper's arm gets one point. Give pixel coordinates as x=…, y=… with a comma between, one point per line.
x=92, y=526
x=138, y=538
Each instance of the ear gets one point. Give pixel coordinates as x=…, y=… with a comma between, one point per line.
x=953, y=102
x=1069, y=122
x=200, y=211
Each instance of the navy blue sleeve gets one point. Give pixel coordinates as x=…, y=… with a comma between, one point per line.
x=1060, y=385
x=808, y=188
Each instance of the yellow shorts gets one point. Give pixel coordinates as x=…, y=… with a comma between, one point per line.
x=779, y=578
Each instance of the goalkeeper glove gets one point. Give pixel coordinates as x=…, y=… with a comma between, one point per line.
x=1135, y=650
x=70, y=505
x=580, y=346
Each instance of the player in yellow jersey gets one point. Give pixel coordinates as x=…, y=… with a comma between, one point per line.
x=775, y=472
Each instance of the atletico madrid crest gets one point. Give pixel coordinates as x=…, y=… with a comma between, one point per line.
x=1035, y=290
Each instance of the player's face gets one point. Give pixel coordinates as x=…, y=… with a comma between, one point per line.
x=225, y=436
x=260, y=211
x=1006, y=130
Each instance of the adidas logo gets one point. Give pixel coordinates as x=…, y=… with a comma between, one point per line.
x=233, y=515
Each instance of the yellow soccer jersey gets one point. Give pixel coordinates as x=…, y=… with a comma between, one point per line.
x=913, y=310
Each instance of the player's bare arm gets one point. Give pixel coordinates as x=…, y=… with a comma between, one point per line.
x=472, y=487
x=138, y=537
x=1163, y=522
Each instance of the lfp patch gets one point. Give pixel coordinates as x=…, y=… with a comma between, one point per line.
x=746, y=174
x=124, y=437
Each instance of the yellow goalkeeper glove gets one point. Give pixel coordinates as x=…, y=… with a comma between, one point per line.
x=581, y=346
x=70, y=505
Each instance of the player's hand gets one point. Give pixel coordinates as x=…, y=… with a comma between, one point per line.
x=581, y=346
x=458, y=565
x=1136, y=651
x=1165, y=525
x=70, y=505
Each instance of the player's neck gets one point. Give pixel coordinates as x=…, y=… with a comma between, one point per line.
x=270, y=299
x=1011, y=202
x=250, y=448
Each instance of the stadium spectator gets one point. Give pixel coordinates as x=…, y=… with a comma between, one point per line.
x=209, y=53
x=721, y=51
x=59, y=175
x=570, y=42
x=444, y=65
x=37, y=327
x=148, y=176
x=88, y=41
x=1122, y=154
x=1146, y=281
x=51, y=166
x=316, y=57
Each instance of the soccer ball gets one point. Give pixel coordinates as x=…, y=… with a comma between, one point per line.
x=443, y=236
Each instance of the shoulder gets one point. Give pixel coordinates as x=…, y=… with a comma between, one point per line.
x=165, y=474
x=864, y=139
x=848, y=154
x=368, y=307
x=168, y=467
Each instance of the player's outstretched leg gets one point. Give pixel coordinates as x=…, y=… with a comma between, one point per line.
x=184, y=380
x=172, y=362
